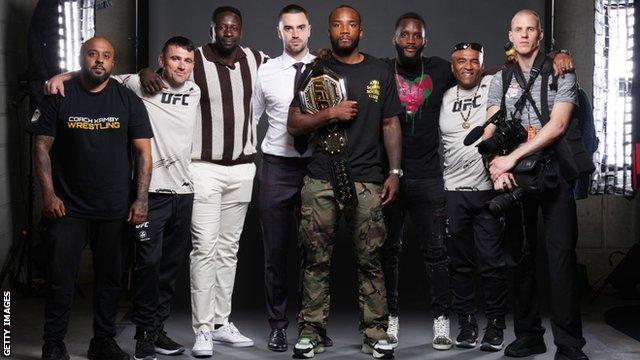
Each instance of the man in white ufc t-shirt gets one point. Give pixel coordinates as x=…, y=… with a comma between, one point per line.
x=474, y=243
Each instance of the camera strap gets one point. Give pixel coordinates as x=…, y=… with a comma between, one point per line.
x=537, y=68
x=515, y=71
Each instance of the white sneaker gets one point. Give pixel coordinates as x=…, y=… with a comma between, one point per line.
x=392, y=331
x=203, y=346
x=441, y=336
x=228, y=334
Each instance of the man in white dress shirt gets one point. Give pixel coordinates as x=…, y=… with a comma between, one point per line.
x=283, y=165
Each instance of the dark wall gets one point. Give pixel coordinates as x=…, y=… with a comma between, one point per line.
x=448, y=22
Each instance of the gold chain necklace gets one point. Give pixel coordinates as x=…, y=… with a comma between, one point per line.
x=465, y=119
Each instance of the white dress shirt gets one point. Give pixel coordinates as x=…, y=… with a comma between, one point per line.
x=272, y=94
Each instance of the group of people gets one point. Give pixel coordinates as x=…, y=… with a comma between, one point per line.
x=187, y=133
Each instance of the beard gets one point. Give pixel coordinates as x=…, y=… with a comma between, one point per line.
x=224, y=50
x=93, y=78
x=409, y=61
x=341, y=50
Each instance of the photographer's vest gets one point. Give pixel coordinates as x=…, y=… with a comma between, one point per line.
x=569, y=151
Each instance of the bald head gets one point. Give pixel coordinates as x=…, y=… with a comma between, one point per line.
x=97, y=60
x=97, y=41
x=526, y=13
x=342, y=9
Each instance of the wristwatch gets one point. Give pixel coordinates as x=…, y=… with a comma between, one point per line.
x=398, y=172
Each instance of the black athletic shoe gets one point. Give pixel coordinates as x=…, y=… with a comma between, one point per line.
x=306, y=348
x=524, y=346
x=379, y=349
x=468, y=335
x=106, y=348
x=327, y=341
x=166, y=346
x=144, y=345
x=493, y=338
x=566, y=353
x=54, y=351
x=278, y=340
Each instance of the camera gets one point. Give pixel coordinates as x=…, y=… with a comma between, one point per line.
x=533, y=174
x=507, y=136
x=499, y=204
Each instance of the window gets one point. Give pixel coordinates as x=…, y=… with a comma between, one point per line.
x=76, y=25
x=612, y=80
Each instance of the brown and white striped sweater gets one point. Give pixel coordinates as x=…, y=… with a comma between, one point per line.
x=225, y=132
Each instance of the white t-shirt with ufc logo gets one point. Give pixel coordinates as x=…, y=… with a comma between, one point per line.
x=172, y=114
x=463, y=167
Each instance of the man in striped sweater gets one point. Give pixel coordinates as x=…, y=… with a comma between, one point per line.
x=222, y=170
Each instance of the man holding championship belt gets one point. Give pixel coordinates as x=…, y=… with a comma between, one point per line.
x=345, y=178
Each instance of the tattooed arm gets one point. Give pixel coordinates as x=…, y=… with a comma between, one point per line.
x=392, y=136
x=139, y=208
x=52, y=206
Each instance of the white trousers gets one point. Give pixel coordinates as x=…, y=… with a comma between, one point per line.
x=221, y=198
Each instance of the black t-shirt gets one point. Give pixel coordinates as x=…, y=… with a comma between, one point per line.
x=420, y=90
x=91, y=153
x=370, y=83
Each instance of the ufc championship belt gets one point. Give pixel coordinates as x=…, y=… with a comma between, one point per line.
x=323, y=88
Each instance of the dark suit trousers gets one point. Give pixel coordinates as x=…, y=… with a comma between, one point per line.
x=279, y=206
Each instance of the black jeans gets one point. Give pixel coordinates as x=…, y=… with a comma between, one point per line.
x=424, y=201
x=475, y=244
x=279, y=206
x=65, y=238
x=157, y=260
x=560, y=237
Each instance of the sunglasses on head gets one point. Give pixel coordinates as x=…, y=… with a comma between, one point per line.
x=466, y=45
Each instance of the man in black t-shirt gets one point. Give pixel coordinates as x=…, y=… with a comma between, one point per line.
x=421, y=83
x=84, y=144
x=368, y=116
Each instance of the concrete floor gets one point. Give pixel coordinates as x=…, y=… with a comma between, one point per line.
x=603, y=342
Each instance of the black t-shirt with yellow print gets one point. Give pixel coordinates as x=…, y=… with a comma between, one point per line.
x=370, y=83
x=91, y=152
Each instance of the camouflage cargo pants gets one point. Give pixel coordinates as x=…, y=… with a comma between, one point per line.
x=318, y=226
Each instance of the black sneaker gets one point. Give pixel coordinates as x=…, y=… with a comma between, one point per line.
x=144, y=345
x=278, y=340
x=493, y=338
x=526, y=345
x=166, y=346
x=54, y=351
x=105, y=348
x=327, y=341
x=468, y=335
x=566, y=353
x=306, y=348
x=379, y=349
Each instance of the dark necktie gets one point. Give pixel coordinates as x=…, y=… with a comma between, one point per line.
x=300, y=142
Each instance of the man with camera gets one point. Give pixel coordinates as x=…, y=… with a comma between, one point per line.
x=544, y=127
